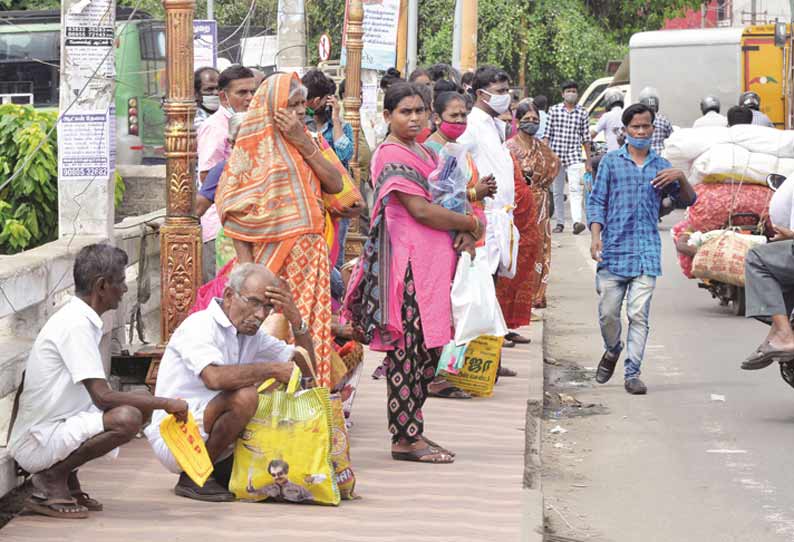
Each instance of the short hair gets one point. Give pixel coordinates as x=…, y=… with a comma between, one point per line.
x=467, y=78
x=233, y=73
x=444, y=99
x=524, y=106
x=318, y=84
x=487, y=75
x=417, y=73
x=542, y=102
x=740, y=114
x=94, y=262
x=427, y=95
x=445, y=85
x=241, y=273
x=570, y=83
x=278, y=464
x=636, y=109
x=398, y=92
x=441, y=71
x=197, y=77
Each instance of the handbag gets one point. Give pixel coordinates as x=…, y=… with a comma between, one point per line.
x=285, y=454
x=475, y=309
x=349, y=194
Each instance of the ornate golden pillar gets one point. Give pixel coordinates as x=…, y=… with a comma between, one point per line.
x=180, y=237
x=352, y=103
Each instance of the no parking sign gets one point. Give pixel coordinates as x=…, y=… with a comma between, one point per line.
x=324, y=47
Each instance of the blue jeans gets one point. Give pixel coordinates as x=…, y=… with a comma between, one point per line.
x=637, y=292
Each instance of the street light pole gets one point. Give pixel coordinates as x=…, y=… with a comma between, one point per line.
x=180, y=236
x=352, y=104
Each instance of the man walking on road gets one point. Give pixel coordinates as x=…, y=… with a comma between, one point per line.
x=567, y=131
x=623, y=210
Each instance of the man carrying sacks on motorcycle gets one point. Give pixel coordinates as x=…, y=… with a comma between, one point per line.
x=769, y=283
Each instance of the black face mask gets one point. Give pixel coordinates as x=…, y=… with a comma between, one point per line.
x=529, y=127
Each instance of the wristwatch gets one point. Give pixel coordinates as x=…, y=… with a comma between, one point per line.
x=303, y=329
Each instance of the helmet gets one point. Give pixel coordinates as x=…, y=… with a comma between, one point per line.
x=650, y=97
x=750, y=99
x=710, y=103
x=613, y=97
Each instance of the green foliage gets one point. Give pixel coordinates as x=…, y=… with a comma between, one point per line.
x=29, y=204
x=118, y=189
x=324, y=17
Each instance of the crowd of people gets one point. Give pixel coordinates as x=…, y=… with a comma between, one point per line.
x=275, y=200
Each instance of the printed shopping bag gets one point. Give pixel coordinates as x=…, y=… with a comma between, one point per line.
x=340, y=451
x=284, y=453
x=185, y=442
x=480, y=366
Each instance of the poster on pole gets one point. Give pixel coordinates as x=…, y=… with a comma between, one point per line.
x=381, y=18
x=86, y=134
x=205, y=44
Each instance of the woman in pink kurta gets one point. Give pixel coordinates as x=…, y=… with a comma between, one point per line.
x=399, y=298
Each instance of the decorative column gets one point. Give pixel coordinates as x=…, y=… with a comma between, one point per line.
x=180, y=237
x=468, y=47
x=352, y=103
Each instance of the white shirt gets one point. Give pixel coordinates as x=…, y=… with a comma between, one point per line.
x=712, y=118
x=611, y=123
x=781, y=205
x=208, y=338
x=482, y=138
x=65, y=353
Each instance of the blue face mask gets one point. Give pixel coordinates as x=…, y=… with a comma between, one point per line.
x=641, y=143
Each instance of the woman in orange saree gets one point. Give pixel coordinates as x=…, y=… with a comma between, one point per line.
x=270, y=204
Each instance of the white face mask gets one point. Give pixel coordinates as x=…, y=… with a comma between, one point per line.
x=211, y=102
x=498, y=102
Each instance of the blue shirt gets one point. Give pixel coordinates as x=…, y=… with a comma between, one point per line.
x=626, y=205
x=343, y=147
x=210, y=184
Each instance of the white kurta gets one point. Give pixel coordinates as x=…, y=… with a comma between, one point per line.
x=482, y=137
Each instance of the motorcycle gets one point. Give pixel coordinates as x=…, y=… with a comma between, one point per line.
x=730, y=294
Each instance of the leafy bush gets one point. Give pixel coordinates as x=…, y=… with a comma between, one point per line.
x=29, y=203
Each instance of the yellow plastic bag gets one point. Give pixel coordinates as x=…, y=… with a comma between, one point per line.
x=340, y=451
x=480, y=366
x=185, y=442
x=284, y=453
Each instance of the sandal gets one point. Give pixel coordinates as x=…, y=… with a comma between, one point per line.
x=438, y=446
x=56, y=507
x=418, y=456
x=764, y=356
x=83, y=499
x=504, y=371
x=449, y=392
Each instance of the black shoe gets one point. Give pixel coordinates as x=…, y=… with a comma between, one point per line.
x=635, y=386
x=222, y=471
x=508, y=344
x=578, y=228
x=558, y=228
x=211, y=492
x=516, y=338
x=606, y=367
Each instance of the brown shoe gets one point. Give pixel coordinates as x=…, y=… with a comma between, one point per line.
x=578, y=228
x=635, y=386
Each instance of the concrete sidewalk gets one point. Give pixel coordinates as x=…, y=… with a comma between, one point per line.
x=478, y=498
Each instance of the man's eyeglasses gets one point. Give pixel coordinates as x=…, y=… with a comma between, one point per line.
x=255, y=304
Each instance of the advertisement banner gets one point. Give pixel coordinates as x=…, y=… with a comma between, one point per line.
x=381, y=18
x=205, y=44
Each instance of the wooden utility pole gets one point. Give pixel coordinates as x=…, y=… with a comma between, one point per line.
x=468, y=48
x=402, y=39
x=180, y=237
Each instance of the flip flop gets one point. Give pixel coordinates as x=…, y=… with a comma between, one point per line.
x=56, y=508
x=438, y=446
x=417, y=455
x=450, y=392
x=504, y=371
x=764, y=356
x=83, y=499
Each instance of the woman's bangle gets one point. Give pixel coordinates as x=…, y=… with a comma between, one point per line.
x=476, y=231
x=315, y=151
x=472, y=194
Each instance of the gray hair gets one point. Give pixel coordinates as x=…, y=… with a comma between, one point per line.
x=241, y=273
x=297, y=87
x=94, y=262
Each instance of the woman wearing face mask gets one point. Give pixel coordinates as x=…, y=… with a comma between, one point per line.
x=270, y=203
x=399, y=295
x=536, y=167
x=449, y=112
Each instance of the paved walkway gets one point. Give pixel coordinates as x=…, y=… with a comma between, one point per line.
x=478, y=498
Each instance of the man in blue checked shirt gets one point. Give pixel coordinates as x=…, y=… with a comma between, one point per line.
x=623, y=211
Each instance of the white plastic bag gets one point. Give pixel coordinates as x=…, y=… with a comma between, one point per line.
x=475, y=309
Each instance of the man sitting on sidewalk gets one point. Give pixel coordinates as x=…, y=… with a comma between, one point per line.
x=67, y=413
x=624, y=205
x=216, y=359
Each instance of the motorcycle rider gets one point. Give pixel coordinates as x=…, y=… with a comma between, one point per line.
x=769, y=283
x=753, y=101
x=710, y=107
x=662, y=129
x=610, y=122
